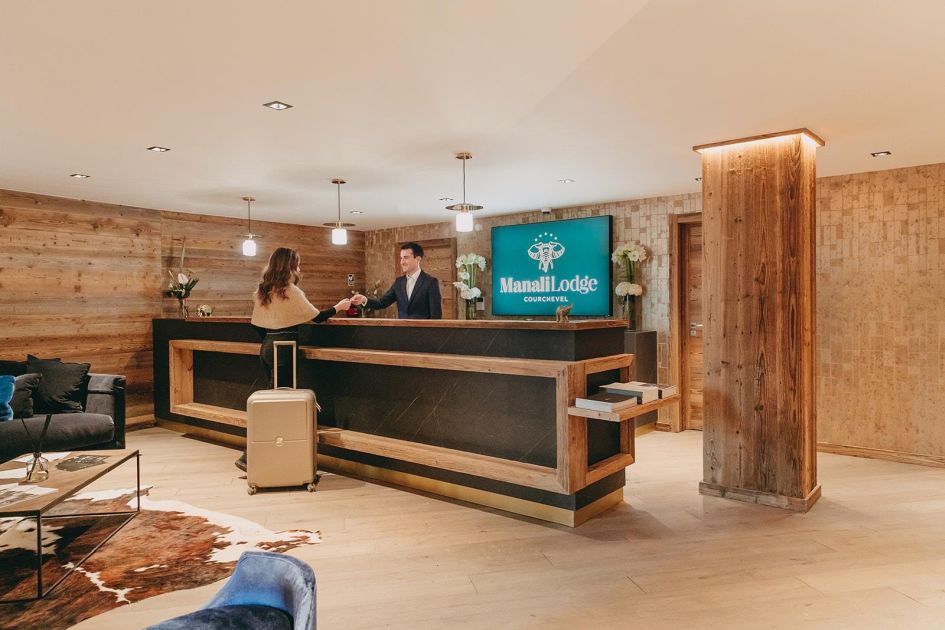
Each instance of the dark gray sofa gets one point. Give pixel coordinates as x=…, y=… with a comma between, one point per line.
x=101, y=425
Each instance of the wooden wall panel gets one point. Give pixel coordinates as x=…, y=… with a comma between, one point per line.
x=78, y=280
x=228, y=279
x=83, y=280
x=758, y=287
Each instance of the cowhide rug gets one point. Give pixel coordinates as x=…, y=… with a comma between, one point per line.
x=169, y=546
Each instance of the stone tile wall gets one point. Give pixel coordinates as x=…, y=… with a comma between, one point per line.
x=880, y=296
x=881, y=310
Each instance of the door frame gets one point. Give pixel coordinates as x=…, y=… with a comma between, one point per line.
x=677, y=286
x=430, y=242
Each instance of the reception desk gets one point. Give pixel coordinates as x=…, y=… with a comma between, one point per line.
x=475, y=410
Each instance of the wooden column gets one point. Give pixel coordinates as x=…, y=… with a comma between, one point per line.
x=758, y=282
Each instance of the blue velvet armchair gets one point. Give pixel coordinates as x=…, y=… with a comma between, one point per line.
x=267, y=590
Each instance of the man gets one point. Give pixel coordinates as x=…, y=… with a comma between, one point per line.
x=417, y=293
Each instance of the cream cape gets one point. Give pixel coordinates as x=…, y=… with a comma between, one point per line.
x=295, y=309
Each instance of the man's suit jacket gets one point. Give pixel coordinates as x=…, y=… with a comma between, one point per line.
x=424, y=302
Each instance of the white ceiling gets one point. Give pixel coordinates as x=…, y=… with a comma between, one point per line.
x=611, y=93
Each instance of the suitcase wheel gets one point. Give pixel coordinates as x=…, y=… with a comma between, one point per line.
x=251, y=488
x=310, y=487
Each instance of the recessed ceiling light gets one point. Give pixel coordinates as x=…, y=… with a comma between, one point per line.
x=277, y=105
x=881, y=153
x=446, y=199
x=80, y=176
x=158, y=149
x=356, y=212
x=566, y=180
x=698, y=179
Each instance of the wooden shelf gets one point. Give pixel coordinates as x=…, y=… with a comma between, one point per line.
x=624, y=414
x=457, y=362
x=465, y=462
x=222, y=415
x=206, y=345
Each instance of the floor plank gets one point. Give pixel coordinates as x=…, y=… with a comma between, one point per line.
x=869, y=555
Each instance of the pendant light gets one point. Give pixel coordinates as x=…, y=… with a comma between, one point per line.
x=464, y=220
x=249, y=245
x=339, y=233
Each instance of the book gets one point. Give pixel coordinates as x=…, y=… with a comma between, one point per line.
x=665, y=390
x=662, y=389
x=606, y=401
x=644, y=392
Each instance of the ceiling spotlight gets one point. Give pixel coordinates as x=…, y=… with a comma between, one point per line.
x=881, y=153
x=159, y=149
x=566, y=180
x=277, y=105
x=446, y=199
x=698, y=179
x=80, y=176
x=356, y=212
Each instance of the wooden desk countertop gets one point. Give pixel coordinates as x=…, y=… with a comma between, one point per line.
x=520, y=324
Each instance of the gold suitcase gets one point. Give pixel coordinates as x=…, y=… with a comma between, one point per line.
x=280, y=433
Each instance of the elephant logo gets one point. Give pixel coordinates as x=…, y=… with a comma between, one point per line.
x=546, y=249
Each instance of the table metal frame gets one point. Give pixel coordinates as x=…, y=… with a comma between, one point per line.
x=38, y=514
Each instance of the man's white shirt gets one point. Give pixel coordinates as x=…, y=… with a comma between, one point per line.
x=412, y=282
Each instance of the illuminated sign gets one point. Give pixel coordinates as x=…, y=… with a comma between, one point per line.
x=539, y=266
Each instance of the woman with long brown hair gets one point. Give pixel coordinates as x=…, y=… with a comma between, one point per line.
x=279, y=302
x=279, y=307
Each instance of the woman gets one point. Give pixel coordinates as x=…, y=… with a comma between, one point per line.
x=279, y=307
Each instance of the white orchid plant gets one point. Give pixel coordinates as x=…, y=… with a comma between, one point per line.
x=627, y=256
x=183, y=281
x=468, y=265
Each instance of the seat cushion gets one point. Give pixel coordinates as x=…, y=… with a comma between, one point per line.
x=67, y=432
x=241, y=617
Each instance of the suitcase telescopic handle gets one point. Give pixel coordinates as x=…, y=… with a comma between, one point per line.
x=275, y=363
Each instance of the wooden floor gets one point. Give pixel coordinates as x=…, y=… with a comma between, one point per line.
x=871, y=553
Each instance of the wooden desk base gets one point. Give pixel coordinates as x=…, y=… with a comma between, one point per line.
x=557, y=485
x=562, y=516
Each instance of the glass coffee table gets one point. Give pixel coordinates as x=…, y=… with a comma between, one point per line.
x=48, y=504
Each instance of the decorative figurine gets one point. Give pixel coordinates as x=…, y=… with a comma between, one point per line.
x=561, y=313
x=204, y=310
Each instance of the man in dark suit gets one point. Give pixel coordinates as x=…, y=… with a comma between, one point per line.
x=417, y=293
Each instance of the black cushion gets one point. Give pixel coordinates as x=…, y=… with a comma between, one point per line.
x=13, y=368
x=67, y=432
x=64, y=387
x=239, y=617
x=25, y=387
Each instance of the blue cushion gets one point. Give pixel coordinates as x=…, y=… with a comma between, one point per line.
x=241, y=617
x=7, y=385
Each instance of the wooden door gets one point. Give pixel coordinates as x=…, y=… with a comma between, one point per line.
x=439, y=260
x=692, y=368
